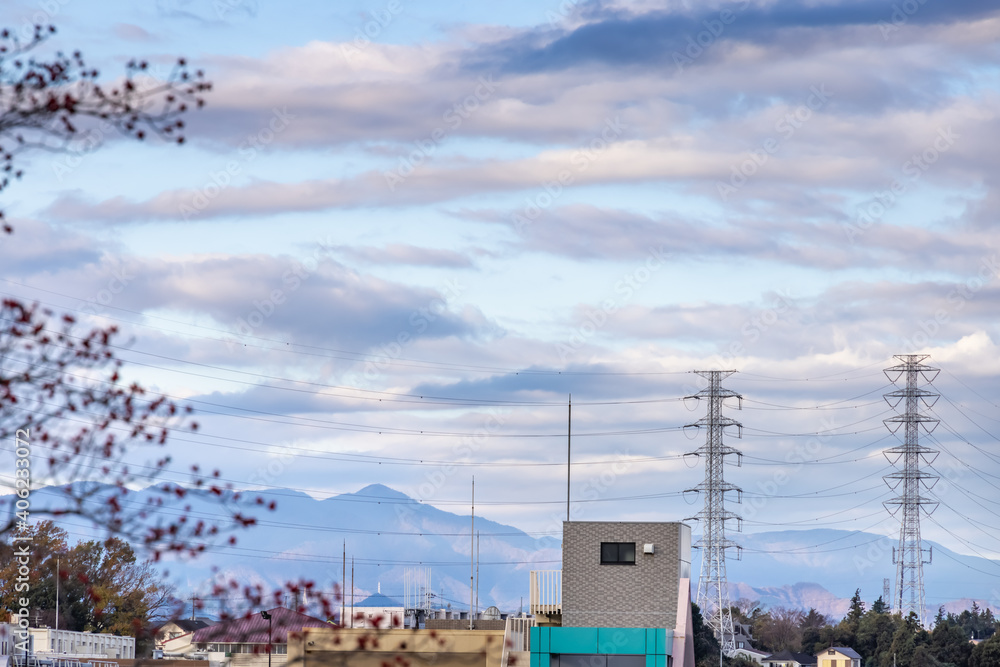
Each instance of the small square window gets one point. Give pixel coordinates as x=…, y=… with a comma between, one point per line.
x=617, y=553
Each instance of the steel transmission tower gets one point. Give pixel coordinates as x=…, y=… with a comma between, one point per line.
x=908, y=557
x=713, y=588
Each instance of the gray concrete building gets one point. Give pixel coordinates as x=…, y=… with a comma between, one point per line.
x=623, y=574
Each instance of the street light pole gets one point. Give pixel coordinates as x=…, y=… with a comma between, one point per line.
x=267, y=617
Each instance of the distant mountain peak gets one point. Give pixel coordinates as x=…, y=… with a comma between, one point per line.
x=380, y=492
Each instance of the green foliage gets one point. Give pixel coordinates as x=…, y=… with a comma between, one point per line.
x=877, y=635
x=706, y=646
x=950, y=644
x=812, y=628
x=986, y=654
x=102, y=587
x=976, y=623
x=874, y=637
x=857, y=609
x=908, y=636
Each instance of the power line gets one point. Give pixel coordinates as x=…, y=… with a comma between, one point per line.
x=287, y=346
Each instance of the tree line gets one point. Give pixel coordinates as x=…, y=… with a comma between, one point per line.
x=102, y=585
x=883, y=639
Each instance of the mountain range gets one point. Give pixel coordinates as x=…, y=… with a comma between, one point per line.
x=385, y=534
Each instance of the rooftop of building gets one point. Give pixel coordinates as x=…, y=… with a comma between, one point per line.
x=254, y=629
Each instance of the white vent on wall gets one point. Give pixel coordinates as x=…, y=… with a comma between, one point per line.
x=647, y=548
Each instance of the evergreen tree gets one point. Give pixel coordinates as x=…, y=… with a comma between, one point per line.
x=846, y=632
x=874, y=637
x=986, y=654
x=908, y=636
x=857, y=609
x=706, y=646
x=811, y=626
x=949, y=643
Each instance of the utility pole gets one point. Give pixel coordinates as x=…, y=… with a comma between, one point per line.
x=472, y=555
x=267, y=617
x=477, y=573
x=343, y=589
x=57, y=595
x=908, y=557
x=713, y=586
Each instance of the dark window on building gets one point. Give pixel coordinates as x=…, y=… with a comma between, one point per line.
x=596, y=660
x=617, y=553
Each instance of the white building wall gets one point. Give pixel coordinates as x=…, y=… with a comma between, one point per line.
x=388, y=617
x=8, y=638
x=48, y=641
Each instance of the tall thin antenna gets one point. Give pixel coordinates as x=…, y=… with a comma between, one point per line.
x=909, y=555
x=343, y=589
x=472, y=555
x=713, y=586
x=57, y=594
x=352, y=591
x=477, y=573
x=569, y=438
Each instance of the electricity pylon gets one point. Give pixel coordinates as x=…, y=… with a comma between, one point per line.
x=908, y=557
x=713, y=588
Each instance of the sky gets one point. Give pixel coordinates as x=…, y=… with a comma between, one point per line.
x=401, y=235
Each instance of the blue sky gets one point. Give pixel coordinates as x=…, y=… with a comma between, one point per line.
x=500, y=205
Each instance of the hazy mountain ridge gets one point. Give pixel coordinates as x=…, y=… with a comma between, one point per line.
x=387, y=532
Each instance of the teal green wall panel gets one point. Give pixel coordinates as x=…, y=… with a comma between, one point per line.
x=625, y=641
x=655, y=643
x=573, y=640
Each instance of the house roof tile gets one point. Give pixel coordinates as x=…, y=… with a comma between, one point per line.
x=253, y=628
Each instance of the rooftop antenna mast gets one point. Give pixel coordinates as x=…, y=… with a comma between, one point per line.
x=569, y=438
x=472, y=553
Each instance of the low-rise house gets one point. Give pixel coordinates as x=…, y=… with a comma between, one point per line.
x=751, y=654
x=790, y=659
x=742, y=635
x=838, y=656
x=244, y=641
x=174, y=637
x=51, y=643
x=63, y=644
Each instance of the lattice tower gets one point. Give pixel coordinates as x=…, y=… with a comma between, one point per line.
x=713, y=587
x=908, y=557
